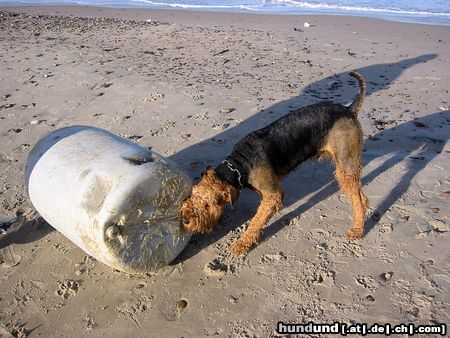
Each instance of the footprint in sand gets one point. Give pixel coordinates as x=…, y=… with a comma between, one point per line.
x=68, y=288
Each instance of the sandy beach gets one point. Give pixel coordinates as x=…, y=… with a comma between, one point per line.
x=190, y=85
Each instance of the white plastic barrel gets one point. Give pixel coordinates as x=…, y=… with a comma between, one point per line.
x=114, y=199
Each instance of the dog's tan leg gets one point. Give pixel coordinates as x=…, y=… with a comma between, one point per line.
x=270, y=204
x=349, y=181
x=344, y=144
x=266, y=184
x=365, y=200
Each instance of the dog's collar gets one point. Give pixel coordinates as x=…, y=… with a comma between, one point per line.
x=232, y=168
x=235, y=173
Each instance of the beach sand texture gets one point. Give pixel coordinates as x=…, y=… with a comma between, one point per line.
x=190, y=85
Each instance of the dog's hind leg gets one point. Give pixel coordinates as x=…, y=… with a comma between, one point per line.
x=349, y=181
x=265, y=183
x=344, y=145
x=365, y=200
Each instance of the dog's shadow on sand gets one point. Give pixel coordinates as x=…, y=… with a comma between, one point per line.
x=417, y=142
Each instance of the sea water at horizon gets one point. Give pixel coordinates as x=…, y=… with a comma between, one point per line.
x=418, y=11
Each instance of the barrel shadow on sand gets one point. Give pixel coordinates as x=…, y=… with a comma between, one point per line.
x=30, y=231
x=400, y=141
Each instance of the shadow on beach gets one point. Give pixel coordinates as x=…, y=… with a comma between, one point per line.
x=417, y=142
x=30, y=231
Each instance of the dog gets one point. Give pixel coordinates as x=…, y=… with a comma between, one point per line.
x=264, y=157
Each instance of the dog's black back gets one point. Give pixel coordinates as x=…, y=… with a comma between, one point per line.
x=290, y=140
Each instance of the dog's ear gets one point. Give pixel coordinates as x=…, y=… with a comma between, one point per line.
x=231, y=195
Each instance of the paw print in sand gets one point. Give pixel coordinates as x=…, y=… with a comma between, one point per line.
x=68, y=288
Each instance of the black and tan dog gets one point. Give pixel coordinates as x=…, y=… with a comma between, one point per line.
x=264, y=157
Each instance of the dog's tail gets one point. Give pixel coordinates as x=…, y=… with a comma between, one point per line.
x=356, y=105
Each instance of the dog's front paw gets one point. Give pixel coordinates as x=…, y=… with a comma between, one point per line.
x=355, y=233
x=240, y=248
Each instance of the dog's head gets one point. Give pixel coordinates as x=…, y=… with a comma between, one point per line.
x=202, y=210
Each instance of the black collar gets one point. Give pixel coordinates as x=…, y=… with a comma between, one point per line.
x=232, y=174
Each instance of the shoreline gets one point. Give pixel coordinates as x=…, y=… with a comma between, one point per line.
x=424, y=20
x=186, y=16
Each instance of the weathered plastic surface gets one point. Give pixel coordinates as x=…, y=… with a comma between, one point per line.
x=113, y=198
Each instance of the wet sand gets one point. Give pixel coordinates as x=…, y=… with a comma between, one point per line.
x=190, y=85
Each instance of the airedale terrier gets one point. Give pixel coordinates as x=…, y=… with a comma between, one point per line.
x=261, y=159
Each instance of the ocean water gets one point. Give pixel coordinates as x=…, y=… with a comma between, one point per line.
x=418, y=11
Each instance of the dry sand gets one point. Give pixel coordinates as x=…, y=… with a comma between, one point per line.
x=165, y=83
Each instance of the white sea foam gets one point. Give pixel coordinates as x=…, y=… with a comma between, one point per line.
x=190, y=6
x=325, y=6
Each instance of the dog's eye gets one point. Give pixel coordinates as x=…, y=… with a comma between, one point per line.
x=206, y=206
x=185, y=221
